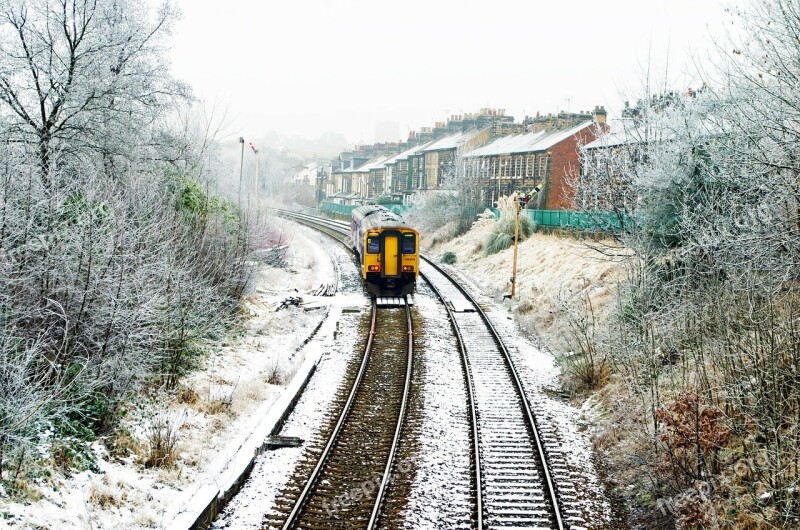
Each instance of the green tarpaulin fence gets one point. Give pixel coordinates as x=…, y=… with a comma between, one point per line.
x=602, y=221
x=599, y=221
x=332, y=207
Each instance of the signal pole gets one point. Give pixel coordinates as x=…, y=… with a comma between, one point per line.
x=256, y=182
x=241, y=166
x=520, y=201
x=517, y=200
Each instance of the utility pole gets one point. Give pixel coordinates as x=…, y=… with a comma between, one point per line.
x=517, y=200
x=256, y=182
x=241, y=166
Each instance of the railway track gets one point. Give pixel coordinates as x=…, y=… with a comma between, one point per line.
x=517, y=489
x=514, y=487
x=346, y=487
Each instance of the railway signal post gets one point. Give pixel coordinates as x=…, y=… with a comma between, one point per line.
x=520, y=201
x=241, y=166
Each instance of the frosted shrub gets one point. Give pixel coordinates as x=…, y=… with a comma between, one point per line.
x=115, y=258
x=586, y=366
x=434, y=213
x=162, y=439
x=502, y=235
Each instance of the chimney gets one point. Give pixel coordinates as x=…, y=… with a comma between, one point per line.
x=600, y=115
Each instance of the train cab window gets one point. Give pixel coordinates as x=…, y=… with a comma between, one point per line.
x=409, y=244
x=373, y=245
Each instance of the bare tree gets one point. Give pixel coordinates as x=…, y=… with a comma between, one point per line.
x=705, y=336
x=78, y=72
x=116, y=260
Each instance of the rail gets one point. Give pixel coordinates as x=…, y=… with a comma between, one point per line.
x=529, y=416
x=326, y=470
x=387, y=474
x=473, y=414
x=294, y=514
x=342, y=228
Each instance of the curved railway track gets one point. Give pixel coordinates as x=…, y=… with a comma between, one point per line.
x=514, y=486
x=517, y=489
x=346, y=488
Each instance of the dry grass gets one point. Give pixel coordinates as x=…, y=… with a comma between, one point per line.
x=121, y=444
x=162, y=439
x=219, y=399
x=24, y=490
x=215, y=406
x=217, y=424
x=525, y=306
x=187, y=395
x=255, y=391
x=172, y=476
x=275, y=373
x=106, y=495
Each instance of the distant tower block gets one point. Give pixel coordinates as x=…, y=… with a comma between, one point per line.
x=387, y=131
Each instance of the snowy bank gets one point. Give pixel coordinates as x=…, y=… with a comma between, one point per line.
x=552, y=272
x=220, y=416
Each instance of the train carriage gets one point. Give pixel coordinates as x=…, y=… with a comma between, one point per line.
x=388, y=251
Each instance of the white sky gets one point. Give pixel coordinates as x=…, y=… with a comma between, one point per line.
x=303, y=67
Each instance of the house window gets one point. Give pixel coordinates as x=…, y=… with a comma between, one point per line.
x=541, y=170
x=505, y=167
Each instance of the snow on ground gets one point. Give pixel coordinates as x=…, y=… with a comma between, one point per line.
x=214, y=411
x=215, y=407
x=338, y=338
x=437, y=431
x=563, y=425
x=549, y=269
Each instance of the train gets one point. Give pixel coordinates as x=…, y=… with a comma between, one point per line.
x=387, y=249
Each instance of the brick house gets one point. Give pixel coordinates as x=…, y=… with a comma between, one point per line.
x=546, y=158
x=439, y=157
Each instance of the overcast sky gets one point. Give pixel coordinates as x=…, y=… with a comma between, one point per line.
x=303, y=67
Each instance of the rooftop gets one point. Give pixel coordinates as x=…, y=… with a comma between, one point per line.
x=407, y=153
x=452, y=141
x=528, y=142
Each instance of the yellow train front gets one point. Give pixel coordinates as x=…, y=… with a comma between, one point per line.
x=388, y=250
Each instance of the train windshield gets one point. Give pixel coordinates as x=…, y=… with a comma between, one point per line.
x=409, y=244
x=373, y=245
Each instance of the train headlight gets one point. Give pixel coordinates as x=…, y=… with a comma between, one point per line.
x=408, y=268
x=374, y=268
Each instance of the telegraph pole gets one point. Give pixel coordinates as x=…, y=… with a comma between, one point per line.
x=517, y=200
x=241, y=166
x=256, y=183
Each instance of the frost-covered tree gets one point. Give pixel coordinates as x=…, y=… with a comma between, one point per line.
x=706, y=336
x=116, y=261
x=463, y=176
x=76, y=74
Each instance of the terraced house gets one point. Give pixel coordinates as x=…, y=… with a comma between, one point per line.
x=501, y=156
x=547, y=158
